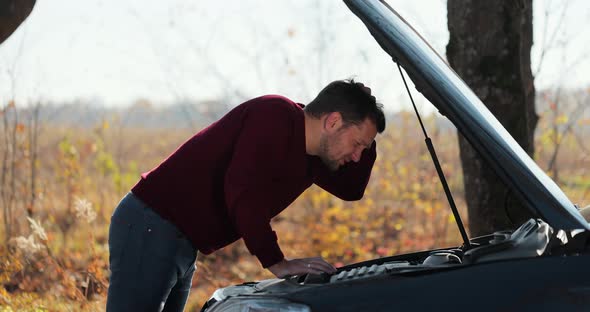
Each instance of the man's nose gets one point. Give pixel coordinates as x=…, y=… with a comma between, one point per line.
x=356, y=156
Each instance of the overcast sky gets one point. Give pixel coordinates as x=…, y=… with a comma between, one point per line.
x=114, y=52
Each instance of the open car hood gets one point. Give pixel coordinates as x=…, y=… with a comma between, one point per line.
x=435, y=79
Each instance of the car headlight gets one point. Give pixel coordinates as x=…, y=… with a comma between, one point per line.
x=262, y=304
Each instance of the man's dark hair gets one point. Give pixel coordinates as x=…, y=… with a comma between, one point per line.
x=352, y=100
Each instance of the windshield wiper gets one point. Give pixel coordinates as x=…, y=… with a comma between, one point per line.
x=441, y=175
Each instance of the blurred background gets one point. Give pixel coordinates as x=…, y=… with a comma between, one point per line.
x=95, y=92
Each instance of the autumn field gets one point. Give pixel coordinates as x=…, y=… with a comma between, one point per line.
x=60, y=184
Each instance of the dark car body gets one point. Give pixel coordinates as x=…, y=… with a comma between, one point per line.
x=544, y=265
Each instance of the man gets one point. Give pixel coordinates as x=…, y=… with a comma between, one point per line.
x=228, y=181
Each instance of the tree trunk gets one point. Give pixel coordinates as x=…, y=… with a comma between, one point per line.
x=489, y=47
x=12, y=14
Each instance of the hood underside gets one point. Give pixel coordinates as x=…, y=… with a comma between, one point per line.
x=434, y=78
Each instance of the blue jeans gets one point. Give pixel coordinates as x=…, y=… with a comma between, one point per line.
x=151, y=261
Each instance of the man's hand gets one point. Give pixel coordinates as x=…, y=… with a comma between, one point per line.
x=314, y=265
x=364, y=88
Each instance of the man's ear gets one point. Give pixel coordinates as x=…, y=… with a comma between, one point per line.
x=333, y=121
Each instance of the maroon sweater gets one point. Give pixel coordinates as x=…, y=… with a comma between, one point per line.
x=231, y=178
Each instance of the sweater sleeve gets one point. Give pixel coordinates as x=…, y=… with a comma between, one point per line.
x=259, y=151
x=349, y=181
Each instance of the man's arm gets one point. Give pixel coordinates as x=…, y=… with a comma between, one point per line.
x=258, y=152
x=349, y=181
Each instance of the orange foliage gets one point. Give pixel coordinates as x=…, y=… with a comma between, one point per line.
x=404, y=209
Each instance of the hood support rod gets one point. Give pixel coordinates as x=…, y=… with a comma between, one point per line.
x=439, y=170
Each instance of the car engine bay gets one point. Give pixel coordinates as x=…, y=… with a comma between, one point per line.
x=533, y=238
